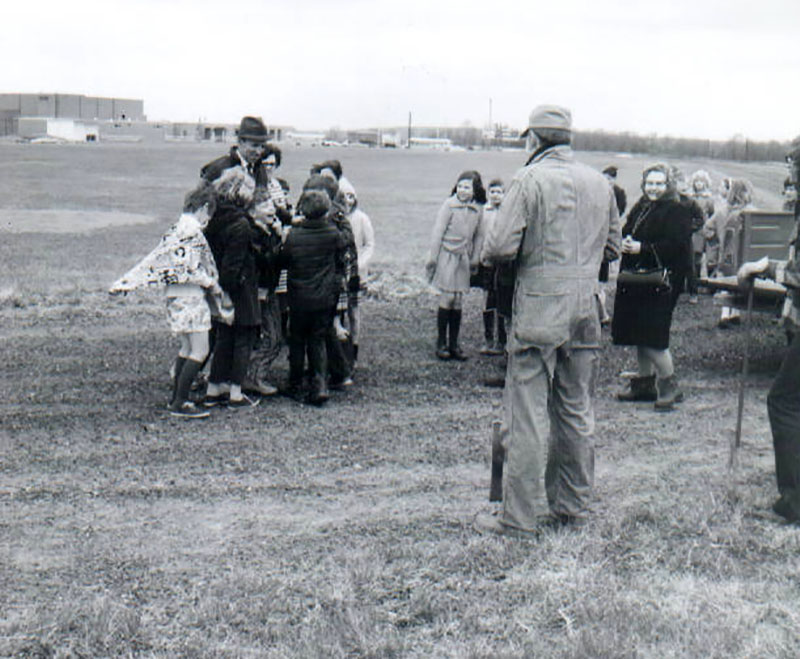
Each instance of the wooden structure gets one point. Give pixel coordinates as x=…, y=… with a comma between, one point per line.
x=764, y=233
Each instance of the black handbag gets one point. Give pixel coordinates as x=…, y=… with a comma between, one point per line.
x=644, y=280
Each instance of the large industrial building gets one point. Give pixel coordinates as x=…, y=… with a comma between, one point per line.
x=69, y=116
x=78, y=118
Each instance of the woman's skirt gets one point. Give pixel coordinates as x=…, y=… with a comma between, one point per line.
x=642, y=318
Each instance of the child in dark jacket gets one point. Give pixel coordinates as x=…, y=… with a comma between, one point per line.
x=230, y=237
x=340, y=366
x=313, y=256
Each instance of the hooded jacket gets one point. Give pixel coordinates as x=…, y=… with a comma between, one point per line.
x=363, y=233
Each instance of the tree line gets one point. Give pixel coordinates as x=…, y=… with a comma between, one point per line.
x=738, y=147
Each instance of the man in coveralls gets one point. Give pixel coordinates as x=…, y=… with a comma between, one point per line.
x=558, y=221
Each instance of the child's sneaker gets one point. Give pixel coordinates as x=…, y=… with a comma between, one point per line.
x=214, y=401
x=341, y=385
x=188, y=410
x=244, y=401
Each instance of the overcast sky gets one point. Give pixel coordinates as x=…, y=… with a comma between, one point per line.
x=694, y=68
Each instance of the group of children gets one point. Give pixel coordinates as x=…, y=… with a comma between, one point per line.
x=244, y=273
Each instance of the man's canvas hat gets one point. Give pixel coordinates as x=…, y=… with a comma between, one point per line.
x=548, y=116
x=252, y=128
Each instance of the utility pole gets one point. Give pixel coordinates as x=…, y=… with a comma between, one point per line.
x=491, y=125
x=409, y=130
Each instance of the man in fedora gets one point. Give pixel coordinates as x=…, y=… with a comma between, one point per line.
x=248, y=152
x=558, y=221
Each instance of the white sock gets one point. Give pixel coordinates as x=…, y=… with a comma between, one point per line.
x=217, y=389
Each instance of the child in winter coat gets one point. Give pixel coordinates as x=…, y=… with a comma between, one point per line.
x=495, y=344
x=340, y=365
x=183, y=262
x=455, y=252
x=230, y=237
x=313, y=255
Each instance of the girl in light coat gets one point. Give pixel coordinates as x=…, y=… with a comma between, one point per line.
x=364, y=237
x=454, y=254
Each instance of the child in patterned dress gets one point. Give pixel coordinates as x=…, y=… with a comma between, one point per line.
x=183, y=262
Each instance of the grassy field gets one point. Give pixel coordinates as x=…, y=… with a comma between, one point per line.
x=287, y=531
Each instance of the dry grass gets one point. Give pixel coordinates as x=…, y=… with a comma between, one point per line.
x=294, y=532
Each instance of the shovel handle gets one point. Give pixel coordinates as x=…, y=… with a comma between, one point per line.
x=737, y=438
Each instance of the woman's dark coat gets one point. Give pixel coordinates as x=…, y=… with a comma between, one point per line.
x=664, y=227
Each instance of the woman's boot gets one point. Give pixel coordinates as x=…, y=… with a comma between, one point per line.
x=668, y=394
x=642, y=388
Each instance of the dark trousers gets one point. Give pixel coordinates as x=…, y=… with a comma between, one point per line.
x=339, y=360
x=783, y=404
x=308, y=331
x=491, y=299
x=232, y=347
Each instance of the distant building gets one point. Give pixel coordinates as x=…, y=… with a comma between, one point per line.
x=300, y=138
x=78, y=118
x=60, y=129
x=373, y=137
x=215, y=132
x=444, y=143
x=65, y=107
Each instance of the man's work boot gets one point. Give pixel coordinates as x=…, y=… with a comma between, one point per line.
x=491, y=524
x=668, y=394
x=642, y=388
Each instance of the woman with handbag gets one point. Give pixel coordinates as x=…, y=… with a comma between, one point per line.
x=653, y=268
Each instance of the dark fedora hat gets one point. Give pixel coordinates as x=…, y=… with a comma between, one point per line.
x=252, y=128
